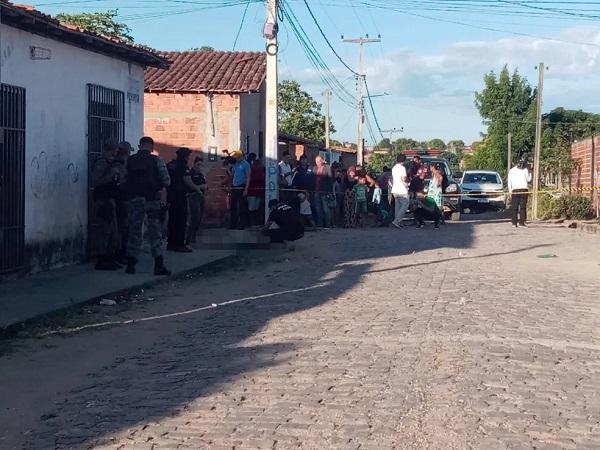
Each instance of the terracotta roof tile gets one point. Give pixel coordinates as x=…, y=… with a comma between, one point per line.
x=208, y=71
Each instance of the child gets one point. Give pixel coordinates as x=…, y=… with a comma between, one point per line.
x=306, y=212
x=360, y=202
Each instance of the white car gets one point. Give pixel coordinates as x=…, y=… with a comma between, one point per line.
x=482, y=189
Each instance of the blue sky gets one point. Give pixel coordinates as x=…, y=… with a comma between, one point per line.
x=430, y=61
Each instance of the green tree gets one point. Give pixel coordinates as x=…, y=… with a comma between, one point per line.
x=506, y=104
x=384, y=143
x=454, y=159
x=437, y=143
x=299, y=114
x=103, y=23
x=408, y=144
x=456, y=145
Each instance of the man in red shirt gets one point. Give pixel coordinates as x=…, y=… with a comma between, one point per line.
x=256, y=191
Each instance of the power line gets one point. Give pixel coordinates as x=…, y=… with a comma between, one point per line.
x=237, y=36
x=372, y=108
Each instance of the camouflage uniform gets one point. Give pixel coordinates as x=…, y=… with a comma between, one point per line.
x=106, y=236
x=141, y=208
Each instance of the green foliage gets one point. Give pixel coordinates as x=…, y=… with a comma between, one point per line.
x=456, y=145
x=437, y=143
x=299, y=114
x=104, y=23
x=570, y=207
x=507, y=104
x=454, y=160
x=409, y=144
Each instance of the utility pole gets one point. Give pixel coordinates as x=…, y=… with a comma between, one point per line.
x=271, y=126
x=509, y=158
x=393, y=131
x=327, y=94
x=360, y=79
x=538, y=141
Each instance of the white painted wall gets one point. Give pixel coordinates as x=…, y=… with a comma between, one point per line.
x=56, y=136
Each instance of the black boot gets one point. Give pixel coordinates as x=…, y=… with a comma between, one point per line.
x=159, y=267
x=131, y=262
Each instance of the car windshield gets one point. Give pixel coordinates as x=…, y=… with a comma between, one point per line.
x=481, y=178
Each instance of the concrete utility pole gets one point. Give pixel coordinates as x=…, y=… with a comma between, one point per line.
x=327, y=105
x=509, y=158
x=360, y=79
x=392, y=131
x=538, y=141
x=271, y=126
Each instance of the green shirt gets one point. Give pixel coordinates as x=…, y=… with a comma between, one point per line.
x=360, y=192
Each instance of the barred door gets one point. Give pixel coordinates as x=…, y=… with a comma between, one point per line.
x=106, y=120
x=12, y=178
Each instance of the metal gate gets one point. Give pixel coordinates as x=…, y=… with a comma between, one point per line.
x=106, y=120
x=12, y=177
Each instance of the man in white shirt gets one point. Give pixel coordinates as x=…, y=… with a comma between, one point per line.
x=285, y=170
x=519, y=178
x=400, y=191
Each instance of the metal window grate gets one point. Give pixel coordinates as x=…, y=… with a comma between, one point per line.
x=106, y=120
x=12, y=178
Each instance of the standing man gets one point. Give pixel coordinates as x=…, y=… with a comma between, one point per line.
x=285, y=171
x=256, y=191
x=519, y=178
x=239, y=192
x=105, y=181
x=323, y=192
x=399, y=190
x=125, y=150
x=147, y=176
x=181, y=184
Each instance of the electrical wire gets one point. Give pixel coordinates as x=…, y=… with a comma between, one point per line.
x=237, y=36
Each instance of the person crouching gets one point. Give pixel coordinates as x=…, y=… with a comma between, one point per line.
x=289, y=222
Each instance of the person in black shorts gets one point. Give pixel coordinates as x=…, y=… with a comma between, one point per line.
x=287, y=219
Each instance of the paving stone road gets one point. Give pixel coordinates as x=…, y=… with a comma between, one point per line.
x=459, y=338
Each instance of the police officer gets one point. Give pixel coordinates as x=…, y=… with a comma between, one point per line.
x=147, y=176
x=181, y=184
x=105, y=182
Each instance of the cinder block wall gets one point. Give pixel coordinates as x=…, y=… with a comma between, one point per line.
x=184, y=120
x=581, y=152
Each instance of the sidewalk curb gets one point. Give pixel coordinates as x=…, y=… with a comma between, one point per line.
x=14, y=328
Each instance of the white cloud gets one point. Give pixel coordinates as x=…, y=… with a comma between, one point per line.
x=433, y=93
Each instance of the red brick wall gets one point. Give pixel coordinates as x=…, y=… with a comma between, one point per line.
x=176, y=120
x=581, y=152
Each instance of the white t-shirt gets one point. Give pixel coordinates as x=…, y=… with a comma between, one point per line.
x=518, y=179
x=305, y=209
x=285, y=170
x=399, y=186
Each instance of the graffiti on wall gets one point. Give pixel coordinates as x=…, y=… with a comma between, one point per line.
x=49, y=174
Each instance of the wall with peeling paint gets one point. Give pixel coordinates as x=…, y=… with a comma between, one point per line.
x=56, y=136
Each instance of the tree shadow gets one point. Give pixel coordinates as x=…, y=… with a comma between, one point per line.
x=212, y=348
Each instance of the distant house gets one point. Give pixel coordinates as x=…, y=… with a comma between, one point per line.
x=63, y=92
x=208, y=101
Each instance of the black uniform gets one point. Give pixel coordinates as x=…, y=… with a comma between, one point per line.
x=178, y=207
x=291, y=227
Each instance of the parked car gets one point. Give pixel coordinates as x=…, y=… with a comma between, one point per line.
x=452, y=201
x=482, y=190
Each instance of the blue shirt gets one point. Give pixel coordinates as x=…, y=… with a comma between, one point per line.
x=241, y=172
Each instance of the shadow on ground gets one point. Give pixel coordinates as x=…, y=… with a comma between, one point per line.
x=204, y=351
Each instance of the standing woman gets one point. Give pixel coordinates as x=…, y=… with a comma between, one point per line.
x=349, y=198
x=435, y=185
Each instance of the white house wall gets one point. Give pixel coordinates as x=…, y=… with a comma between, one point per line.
x=56, y=185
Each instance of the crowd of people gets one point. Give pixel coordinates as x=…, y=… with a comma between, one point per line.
x=136, y=195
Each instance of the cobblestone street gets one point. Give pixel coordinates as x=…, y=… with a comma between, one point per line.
x=457, y=338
